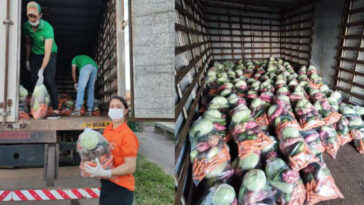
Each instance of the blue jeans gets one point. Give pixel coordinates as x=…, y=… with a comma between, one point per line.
x=87, y=78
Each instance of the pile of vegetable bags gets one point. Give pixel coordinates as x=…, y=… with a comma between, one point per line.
x=91, y=145
x=39, y=101
x=23, y=103
x=307, y=115
x=220, y=194
x=209, y=154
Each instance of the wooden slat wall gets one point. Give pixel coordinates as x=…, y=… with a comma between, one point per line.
x=350, y=56
x=296, y=34
x=105, y=55
x=238, y=33
x=193, y=56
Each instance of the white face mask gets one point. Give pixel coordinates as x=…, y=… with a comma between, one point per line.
x=116, y=114
x=35, y=23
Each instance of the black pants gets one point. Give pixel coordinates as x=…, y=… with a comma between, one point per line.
x=113, y=194
x=49, y=75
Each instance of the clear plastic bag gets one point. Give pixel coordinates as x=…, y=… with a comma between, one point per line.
x=39, y=101
x=319, y=183
x=329, y=139
x=209, y=154
x=220, y=194
x=91, y=145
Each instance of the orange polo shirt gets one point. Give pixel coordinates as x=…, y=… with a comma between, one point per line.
x=125, y=144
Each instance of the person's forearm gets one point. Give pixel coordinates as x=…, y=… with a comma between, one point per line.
x=46, y=58
x=74, y=75
x=27, y=51
x=123, y=169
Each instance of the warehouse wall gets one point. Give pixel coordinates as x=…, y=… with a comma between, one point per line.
x=153, y=58
x=327, y=21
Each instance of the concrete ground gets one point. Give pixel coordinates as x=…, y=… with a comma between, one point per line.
x=155, y=147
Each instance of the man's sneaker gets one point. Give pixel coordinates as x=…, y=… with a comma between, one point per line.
x=76, y=113
x=53, y=116
x=88, y=113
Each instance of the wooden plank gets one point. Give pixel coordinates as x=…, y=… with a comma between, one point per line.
x=297, y=22
x=181, y=179
x=350, y=82
x=245, y=53
x=350, y=71
x=238, y=29
x=241, y=15
x=263, y=47
x=240, y=23
x=186, y=69
x=236, y=7
x=181, y=49
x=351, y=60
x=188, y=91
x=351, y=48
x=297, y=14
x=214, y=41
x=183, y=28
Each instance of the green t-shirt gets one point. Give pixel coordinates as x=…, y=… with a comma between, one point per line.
x=81, y=60
x=43, y=32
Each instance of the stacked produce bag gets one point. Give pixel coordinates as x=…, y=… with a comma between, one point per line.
x=39, y=102
x=281, y=121
x=23, y=103
x=91, y=145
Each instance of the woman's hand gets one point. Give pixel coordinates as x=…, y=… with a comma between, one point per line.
x=98, y=171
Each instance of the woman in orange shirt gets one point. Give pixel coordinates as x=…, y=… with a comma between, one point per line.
x=119, y=186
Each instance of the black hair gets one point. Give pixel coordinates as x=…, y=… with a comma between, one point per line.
x=122, y=100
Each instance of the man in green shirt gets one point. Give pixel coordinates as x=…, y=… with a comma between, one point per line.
x=41, y=52
x=87, y=77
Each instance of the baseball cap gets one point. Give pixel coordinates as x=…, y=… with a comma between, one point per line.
x=33, y=8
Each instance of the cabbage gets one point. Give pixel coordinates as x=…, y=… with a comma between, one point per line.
x=256, y=103
x=241, y=116
x=240, y=83
x=219, y=102
x=201, y=127
x=289, y=132
x=23, y=92
x=233, y=99
x=214, y=116
x=224, y=195
x=89, y=139
x=211, y=79
x=226, y=92
x=249, y=162
x=193, y=155
x=211, y=73
x=359, y=110
x=254, y=180
x=222, y=80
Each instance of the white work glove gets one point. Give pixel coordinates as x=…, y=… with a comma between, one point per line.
x=76, y=86
x=27, y=65
x=98, y=171
x=40, y=76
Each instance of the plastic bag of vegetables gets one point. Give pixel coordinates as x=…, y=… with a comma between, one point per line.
x=294, y=147
x=307, y=115
x=319, y=183
x=39, y=101
x=220, y=194
x=342, y=130
x=241, y=88
x=287, y=182
x=279, y=117
x=235, y=100
x=358, y=138
x=328, y=113
x=267, y=97
x=91, y=145
x=312, y=138
x=255, y=189
x=329, y=139
x=209, y=153
x=250, y=140
x=258, y=108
